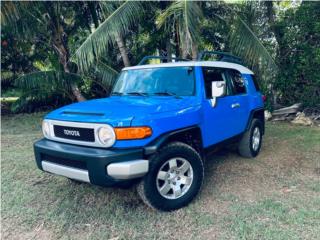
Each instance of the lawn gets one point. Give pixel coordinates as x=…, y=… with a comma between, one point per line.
x=274, y=196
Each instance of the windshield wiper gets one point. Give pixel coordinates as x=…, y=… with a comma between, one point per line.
x=167, y=94
x=116, y=94
x=137, y=93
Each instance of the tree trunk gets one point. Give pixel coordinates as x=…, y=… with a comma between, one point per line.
x=63, y=59
x=123, y=50
x=59, y=41
x=177, y=42
x=194, y=51
x=169, y=50
x=277, y=34
x=93, y=12
x=184, y=48
x=272, y=22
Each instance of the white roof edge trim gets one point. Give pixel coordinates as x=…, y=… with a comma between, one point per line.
x=218, y=64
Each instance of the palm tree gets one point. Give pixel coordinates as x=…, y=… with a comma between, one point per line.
x=183, y=19
x=185, y=16
x=30, y=19
x=180, y=20
x=109, y=32
x=48, y=22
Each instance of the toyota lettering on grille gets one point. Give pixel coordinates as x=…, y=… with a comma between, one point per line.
x=71, y=133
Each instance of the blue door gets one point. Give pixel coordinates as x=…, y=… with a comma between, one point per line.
x=224, y=120
x=240, y=100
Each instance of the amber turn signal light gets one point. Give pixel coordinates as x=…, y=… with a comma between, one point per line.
x=128, y=133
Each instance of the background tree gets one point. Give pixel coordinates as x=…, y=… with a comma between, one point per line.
x=48, y=22
x=96, y=39
x=299, y=55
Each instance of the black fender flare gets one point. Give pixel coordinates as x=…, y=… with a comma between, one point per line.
x=157, y=143
x=256, y=113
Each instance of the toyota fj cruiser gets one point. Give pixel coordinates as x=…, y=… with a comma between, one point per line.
x=156, y=128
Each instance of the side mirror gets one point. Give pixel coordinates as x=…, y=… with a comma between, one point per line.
x=218, y=89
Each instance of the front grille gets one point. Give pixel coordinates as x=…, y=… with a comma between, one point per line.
x=64, y=161
x=74, y=133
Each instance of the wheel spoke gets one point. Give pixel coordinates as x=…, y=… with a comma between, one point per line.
x=185, y=180
x=162, y=175
x=174, y=178
x=165, y=189
x=177, y=191
x=173, y=163
x=256, y=139
x=185, y=167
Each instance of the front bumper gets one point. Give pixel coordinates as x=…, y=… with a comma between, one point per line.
x=103, y=167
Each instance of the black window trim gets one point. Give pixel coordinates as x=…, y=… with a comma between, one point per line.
x=228, y=81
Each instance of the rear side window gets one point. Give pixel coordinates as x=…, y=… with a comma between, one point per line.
x=237, y=82
x=255, y=82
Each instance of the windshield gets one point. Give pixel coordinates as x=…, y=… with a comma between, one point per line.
x=156, y=81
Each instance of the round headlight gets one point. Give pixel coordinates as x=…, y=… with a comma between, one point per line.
x=106, y=136
x=45, y=128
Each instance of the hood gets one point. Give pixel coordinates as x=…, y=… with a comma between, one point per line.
x=119, y=110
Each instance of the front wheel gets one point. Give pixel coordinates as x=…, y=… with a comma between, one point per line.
x=174, y=179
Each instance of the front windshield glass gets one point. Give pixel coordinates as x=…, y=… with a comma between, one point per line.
x=163, y=81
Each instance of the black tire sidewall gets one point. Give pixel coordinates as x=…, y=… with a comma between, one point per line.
x=150, y=180
x=255, y=123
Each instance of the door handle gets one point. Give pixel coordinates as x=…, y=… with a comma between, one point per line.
x=235, y=105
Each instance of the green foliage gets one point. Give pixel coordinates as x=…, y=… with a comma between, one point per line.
x=47, y=80
x=245, y=43
x=97, y=43
x=106, y=74
x=245, y=40
x=45, y=36
x=44, y=88
x=185, y=16
x=299, y=55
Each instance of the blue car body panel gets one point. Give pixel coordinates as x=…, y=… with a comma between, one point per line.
x=180, y=117
x=167, y=113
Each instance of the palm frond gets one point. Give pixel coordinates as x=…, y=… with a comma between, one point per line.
x=97, y=42
x=186, y=15
x=47, y=81
x=22, y=18
x=10, y=12
x=36, y=99
x=245, y=43
x=106, y=73
x=107, y=8
x=44, y=89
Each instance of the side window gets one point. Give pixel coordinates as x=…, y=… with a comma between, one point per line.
x=237, y=82
x=210, y=75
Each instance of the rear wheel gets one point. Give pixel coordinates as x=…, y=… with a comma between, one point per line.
x=250, y=144
x=174, y=179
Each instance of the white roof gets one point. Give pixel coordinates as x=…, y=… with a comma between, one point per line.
x=220, y=64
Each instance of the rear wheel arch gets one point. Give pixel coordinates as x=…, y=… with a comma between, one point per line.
x=256, y=114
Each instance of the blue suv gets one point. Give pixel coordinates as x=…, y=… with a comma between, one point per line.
x=156, y=128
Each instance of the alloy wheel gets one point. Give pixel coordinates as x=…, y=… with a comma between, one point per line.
x=174, y=178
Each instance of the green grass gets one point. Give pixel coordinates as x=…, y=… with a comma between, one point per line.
x=274, y=196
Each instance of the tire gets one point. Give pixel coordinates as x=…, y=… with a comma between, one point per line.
x=188, y=181
x=246, y=146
